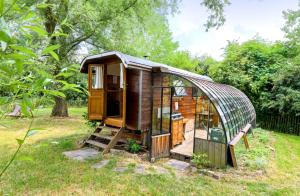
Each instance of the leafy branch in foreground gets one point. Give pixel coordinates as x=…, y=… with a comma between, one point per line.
x=24, y=79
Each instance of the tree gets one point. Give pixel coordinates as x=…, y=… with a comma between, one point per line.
x=70, y=23
x=251, y=67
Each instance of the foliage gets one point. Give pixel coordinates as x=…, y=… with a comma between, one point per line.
x=133, y=147
x=200, y=160
x=255, y=158
x=261, y=70
x=90, y=123
x=216, y=8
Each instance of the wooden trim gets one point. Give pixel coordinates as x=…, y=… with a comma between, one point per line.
x=124, y=96
x=237, y=138
x=140, y=100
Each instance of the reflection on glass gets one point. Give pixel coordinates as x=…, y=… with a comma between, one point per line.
x=161, y=111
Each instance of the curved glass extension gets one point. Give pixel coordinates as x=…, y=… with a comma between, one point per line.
x=232, y=105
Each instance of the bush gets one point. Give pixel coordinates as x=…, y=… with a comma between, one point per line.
x=200, y=160
x=90, y=123
x=133, y=147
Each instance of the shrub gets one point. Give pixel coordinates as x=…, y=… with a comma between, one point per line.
x=133, y=147
x=200, y=160
x=90, y=123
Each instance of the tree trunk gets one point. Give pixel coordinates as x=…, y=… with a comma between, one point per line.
x=60, y=107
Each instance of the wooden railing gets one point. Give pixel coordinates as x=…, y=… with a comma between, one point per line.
x=281, y=123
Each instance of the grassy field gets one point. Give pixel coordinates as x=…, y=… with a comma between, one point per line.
x=271, y=166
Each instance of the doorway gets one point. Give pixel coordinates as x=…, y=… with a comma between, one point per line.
x=161, y=122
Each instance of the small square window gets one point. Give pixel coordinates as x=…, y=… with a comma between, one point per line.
x=179, y=88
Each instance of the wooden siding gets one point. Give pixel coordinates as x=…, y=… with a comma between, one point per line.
x=160, y=146
x=186, y=104
x=146, y=101
x=215, y=151
x=132, y=96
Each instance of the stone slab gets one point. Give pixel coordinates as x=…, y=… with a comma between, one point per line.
x=100, y=164
x=82, y=154
x=120, y=169
x=178, y=165
x=140, y=169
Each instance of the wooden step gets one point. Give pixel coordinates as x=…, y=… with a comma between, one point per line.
x=108, y=138
x=97, y=144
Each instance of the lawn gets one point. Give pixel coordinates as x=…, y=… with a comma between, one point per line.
x=271, y=166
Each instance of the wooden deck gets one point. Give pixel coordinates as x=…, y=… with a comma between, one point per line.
x=186, y=148
x=114, y=121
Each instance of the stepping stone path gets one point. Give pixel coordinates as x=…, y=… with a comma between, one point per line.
x=161, y=170
x=178, y=165
x=120, y=169
x=140, y=169
x=82, y=154
x=101, y=164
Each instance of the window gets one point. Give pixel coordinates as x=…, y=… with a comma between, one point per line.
x=97, y=77
x=179, y=88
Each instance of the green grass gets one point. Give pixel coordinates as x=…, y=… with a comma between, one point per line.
x=270, y=167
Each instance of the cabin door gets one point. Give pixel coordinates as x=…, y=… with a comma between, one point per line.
x=161, y=123
x=96, y=92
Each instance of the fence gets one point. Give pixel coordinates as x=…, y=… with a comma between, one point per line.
x=281, y=123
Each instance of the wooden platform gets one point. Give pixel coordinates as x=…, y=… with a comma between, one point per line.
x=186, y=148
x=184, y=151
x=114, y=121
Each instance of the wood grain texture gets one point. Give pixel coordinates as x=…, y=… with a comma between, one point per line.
x=95, y=99
x=215, y=151
x=160, y=146
x=132, y=97
x=146, y=101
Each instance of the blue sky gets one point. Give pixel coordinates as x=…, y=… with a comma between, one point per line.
x=244, y=20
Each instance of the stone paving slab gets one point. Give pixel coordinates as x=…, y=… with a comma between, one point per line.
x=100, y=164
x=178, y=165
x=161, y=170
x=82, y=154
x=120, y=169
x=140, y=169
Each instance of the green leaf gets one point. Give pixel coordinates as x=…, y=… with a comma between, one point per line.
x=50, y=48
x=43, y=5
x=20, y=142
x=17, y=56
x=25, y=110
x=24, y=50
x=54, y=93
x=1, y=6
x=54, y=55
x=19, y=66
x=59, y=34
x=37, y=29
x=4, y=36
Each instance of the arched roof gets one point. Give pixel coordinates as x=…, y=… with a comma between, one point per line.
x=233, y=106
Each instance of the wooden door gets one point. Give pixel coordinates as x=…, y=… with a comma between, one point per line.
x=96, y=92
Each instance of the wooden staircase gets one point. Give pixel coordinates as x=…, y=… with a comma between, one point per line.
x=104, y=142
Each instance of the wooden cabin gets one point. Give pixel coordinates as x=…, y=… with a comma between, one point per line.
x=171, y=111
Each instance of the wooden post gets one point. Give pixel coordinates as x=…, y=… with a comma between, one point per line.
x=246, y=141
x=124, y=96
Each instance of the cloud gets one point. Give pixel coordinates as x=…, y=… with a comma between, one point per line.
x=245, y=19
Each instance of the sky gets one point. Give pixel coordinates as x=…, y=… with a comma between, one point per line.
x=245, y=19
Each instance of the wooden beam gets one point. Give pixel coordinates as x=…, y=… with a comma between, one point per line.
x=124, y=96
x=114, y=140
x=235, y=140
